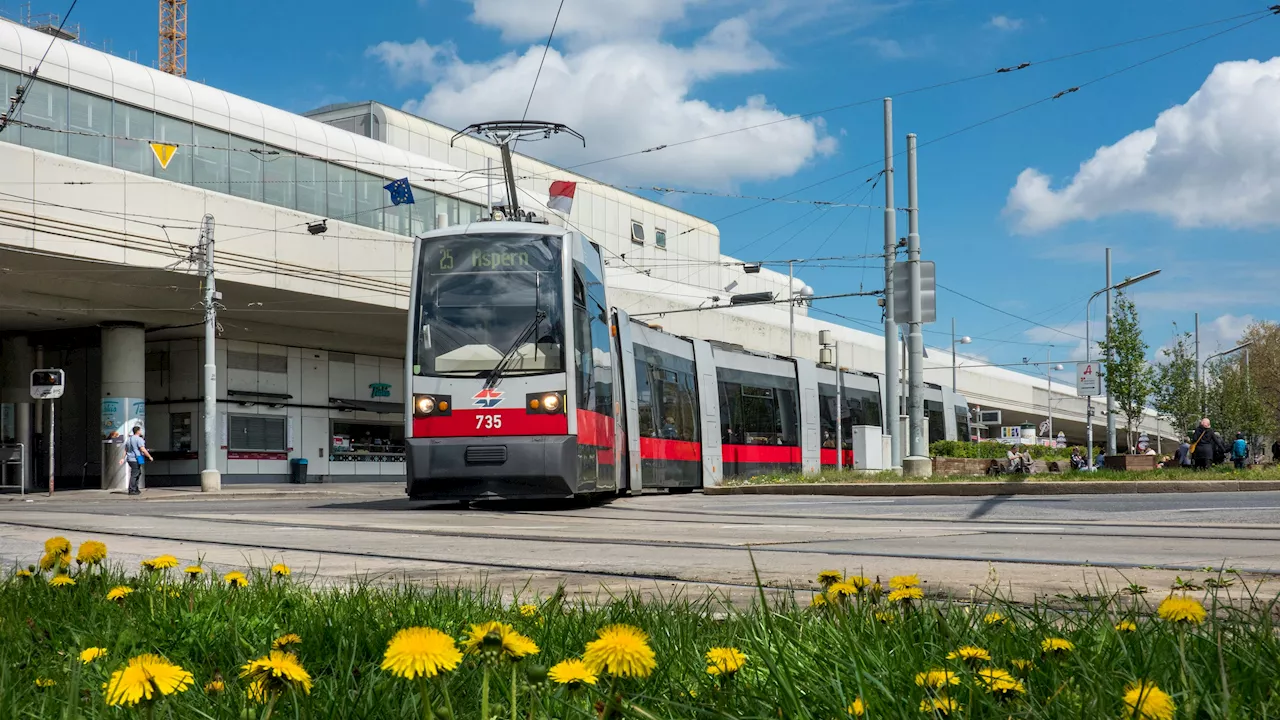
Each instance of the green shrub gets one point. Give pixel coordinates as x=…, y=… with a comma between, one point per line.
x=991, y=450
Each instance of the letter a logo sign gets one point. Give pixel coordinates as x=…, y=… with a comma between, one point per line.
x=164, y=153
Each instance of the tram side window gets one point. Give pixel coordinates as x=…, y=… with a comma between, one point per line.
x=962, y=423
x=937, y=421
x=827, y=415
x=667, y=398
x=757, y=414
x=864, y=407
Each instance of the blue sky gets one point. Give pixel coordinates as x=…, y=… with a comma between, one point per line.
x=1000, y=214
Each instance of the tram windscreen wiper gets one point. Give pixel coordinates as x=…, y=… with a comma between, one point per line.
x=495, y=375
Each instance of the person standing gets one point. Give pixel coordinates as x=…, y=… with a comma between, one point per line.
x=1205, y=443
x=135, y=450
x=1239, y=451
x=1275, y=451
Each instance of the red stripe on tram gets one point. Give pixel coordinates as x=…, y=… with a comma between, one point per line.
x=595, y=429
x=490, y=423
x=779, y=454
x=829, y=457
x=662, y=449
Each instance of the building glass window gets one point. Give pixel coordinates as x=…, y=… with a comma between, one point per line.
x=180, y=432
x=637, y=232
x=211, y=160
x=369, y=196
x=448, y=207
x=246, y=168
x=278, y=178
x=8, y=86
x=176, y=132
x=342, y=193
x=45, y=105
x=89, y=114
x=311, y=185
x=256, y=434
x=367, y=442
x=422, y=214
x=133, y=127
x=660, y=238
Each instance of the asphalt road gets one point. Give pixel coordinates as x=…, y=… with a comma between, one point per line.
x=1031, y=545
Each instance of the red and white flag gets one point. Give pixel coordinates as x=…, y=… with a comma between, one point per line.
x=562, y=196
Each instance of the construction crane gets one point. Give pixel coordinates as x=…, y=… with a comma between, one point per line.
x=173, y=37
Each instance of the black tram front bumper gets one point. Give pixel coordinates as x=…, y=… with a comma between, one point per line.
x=498, y=468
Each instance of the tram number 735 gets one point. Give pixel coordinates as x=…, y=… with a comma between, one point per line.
x=488, y=422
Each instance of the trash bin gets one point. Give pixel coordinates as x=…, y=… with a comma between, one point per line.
x=298, y=471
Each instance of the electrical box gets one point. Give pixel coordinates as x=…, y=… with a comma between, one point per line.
x=48, y=384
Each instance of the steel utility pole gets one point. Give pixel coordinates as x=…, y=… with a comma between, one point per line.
x=210, y=478
x=791, y=307
x=918, y=463
x=892, y=405
x=1111, y=403
x=1199, y=381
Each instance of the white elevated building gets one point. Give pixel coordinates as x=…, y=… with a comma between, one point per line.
x=313, y=264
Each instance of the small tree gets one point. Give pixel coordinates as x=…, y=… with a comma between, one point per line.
x=1176, y=394
x=1233, y=404
x=1127, y=373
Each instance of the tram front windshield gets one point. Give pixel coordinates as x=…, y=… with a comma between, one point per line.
x=483, y=297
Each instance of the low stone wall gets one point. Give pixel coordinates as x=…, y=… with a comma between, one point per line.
x=952, y=467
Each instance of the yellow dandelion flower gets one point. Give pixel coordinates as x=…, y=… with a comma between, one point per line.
x=45, y=682
x=214, y=687
x=906, y=595
x=1000, y=682
x=145, y=677
x=529, y=611
x=970, y=653
x=281, y=570
x=1056, y=646
x=725, y=661
x=937, y=679
x=276, y=672
x=827, y=578
x=420, y=652
x=857, y=708
x=858, y=581
x=88, y=655
x=885, y=617
x=1022, y=666
x=573, y=673
x=57, y=546
x=160, y=562
x=62, y=581
x=995, y=618
x=119, y=592
x=1182, y=610
x=235, y=579
x=1145, y=701
x=193, y=571
x=818, y=601
x=509, y=642
x=257, y=692
x=939, y=706
x=841, y=590
x=898, y=582
x=284, y=641
x=622, y=651
x=24, y=573
x=91, y=552
x=1126, y=626
x=49, y=561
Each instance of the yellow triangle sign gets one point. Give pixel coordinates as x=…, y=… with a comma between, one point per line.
x=164, y=153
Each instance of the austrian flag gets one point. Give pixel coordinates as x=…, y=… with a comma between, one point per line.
x=562, y=196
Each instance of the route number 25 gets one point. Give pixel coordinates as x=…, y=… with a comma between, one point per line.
x=488, y=422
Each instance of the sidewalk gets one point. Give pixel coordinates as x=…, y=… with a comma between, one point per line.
x=982, y=488
x=365, y=490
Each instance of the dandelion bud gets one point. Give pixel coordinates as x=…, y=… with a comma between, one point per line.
x=491, y=644
x=535, y=673
x=444, y=713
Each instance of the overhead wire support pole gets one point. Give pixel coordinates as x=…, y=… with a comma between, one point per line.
x=918, y=463
x=210, y=477
x=1111, y=403
x=791, y=307
x=892, y=391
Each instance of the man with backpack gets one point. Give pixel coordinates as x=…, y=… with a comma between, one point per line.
x=1239, y=451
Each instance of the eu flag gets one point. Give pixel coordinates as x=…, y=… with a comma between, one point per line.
x=401, y=193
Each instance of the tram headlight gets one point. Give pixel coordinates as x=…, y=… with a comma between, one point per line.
x=430, y=405
x=551, y=403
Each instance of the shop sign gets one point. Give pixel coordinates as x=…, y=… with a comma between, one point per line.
x=379, y=390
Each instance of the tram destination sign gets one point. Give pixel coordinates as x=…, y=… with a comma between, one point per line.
x=485, y=260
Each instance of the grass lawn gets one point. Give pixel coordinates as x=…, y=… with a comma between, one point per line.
x=865, y=649
x=828, y=476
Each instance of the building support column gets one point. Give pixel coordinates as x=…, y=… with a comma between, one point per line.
x=124, y=393
x=16, y=363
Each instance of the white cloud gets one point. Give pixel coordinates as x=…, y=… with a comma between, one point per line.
x=886, y=48
x=624, y=96
x=1212, y=161
x=1004, y=22
x=524, y=20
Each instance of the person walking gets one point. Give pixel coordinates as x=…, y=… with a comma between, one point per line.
x=1205, y=443
x=1275, y=451
x=135, y=455
x=1239, y=451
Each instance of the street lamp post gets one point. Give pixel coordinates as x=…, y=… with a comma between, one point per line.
x=963, y=341
x=1048, y=378
x=1088, y=347
x=1204, y=408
